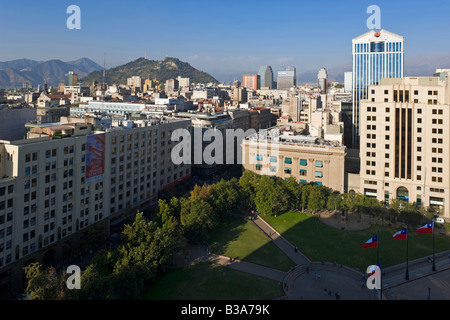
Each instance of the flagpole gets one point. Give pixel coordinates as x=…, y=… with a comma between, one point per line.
x=378, y=263
x=378, y=249
x=407, y=273
x=434, y=264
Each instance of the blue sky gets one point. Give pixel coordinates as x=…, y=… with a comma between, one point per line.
x=219, y=37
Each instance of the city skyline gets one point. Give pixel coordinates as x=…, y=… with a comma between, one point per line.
x=219, y=45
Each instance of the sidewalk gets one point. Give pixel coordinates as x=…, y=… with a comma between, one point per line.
x=281, y=242
x=248, y=267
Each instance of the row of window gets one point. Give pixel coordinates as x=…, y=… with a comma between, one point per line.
x=317, y=174
x=303, y=162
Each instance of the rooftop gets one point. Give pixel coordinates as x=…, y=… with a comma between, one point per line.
x=285, y=135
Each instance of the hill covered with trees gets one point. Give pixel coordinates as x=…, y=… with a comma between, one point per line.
x=168, y=68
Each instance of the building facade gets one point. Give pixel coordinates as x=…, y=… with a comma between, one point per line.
x=251, y=81
x=266, y=77
x=406, y=141
x=308, y=159
x=286, y=78
x=322, y=80
x=376, y=55
x=52, y=187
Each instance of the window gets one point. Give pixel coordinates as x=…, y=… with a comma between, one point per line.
x=303, y=162
x=319, y=164
x=258, y=167
x=273, y=159
x=318, y=174
x=288, y=160
x=303, y=173
x=259, y=157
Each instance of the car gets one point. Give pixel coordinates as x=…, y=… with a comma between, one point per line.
x=439, y=220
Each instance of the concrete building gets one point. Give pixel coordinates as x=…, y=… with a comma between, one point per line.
x=322, y=80
x=183, y=82
x=405, y=141
x=251, y=81
x=13, y=120
x=171, y=85
x=286, y=78
x=376, y=55
x=107, y=107
x=75, y=175
x=71, y=79
x=348, y=87
x=134, y=81
x=283, y=152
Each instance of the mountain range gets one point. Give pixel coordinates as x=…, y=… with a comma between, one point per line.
x=16, y=72
x=168, y=68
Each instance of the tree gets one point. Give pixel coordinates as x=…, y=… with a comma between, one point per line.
x=335, y=201
x=304, y=195
x=247, y=188
x=224, y=196
x=294, y=192
x=265, y=195
x=197, y=219
x=44, y=283
x=316, y=198
x=282, y=199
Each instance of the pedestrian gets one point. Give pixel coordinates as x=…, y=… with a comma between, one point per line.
x=325, y=292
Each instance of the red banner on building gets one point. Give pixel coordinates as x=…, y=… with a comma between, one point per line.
x=95, y=157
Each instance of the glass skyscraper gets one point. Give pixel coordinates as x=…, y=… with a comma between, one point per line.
x=266, y=76
x=287, y=78
x=376, y=55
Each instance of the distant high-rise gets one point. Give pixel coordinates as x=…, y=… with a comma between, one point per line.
x=251, y=81
x=266, y=77
x=287, y=78
x=348, y=82
x=376, y=55
x=71, y=79
x=322, y=80
x=134, y=81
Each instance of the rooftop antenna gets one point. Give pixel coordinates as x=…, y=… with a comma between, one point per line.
x=104, y=70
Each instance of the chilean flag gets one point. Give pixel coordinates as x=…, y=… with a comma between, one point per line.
x=428, y=228
x=401, y=235
x=371, y=243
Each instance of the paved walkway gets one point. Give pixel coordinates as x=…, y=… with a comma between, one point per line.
x=328, y=281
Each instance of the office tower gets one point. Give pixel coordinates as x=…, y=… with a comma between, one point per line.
x=376, y=55
x=266, y=77
x=71, y=79
x=406, y=140
x=250, y=81
x=348, y=82
x=287, y=78
x=322, y=80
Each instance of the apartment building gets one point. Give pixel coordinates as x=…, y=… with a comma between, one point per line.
x=281, y=152
x=74, y=175
x=405, y=141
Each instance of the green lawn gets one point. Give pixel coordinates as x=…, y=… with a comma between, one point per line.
x=205, y=281
x=241, y=239
x=321, y=242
